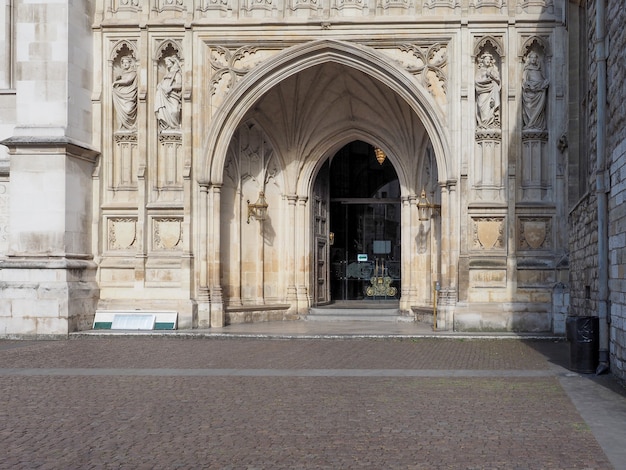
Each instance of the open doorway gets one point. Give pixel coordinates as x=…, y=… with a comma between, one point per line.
x=364, y=226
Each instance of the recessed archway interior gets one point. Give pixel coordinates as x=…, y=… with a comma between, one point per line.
x=327, y=116
x=311, y=114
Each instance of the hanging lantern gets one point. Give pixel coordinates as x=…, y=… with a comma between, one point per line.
x=380, y=155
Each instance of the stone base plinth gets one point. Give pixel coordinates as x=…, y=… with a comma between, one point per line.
x=47, y=297
x=503, y=317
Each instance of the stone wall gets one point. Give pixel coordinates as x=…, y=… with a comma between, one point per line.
x=583, y=229
x=583, y=218
x=616, y=71
x=616, y=149
x=583, y=223
x=617, y=258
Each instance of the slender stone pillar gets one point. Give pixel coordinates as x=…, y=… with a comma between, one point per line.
x=260, y=264
x=233, y=296
x=291, y=248
x=302, y=255
x=454, y=249
x=408, y=245
x=415, y=252
x=204, y=310
x=217, y=303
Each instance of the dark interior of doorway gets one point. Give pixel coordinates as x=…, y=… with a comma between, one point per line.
x=365, y=226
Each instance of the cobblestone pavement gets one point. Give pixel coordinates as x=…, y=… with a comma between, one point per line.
x=167, y=402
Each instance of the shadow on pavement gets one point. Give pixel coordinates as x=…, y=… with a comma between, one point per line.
x=558, y=353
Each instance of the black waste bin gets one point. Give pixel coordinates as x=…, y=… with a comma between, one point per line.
x=583, y=337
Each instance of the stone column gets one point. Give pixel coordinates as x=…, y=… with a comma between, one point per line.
x=234, y=281
x=407, y=255
x=449, y=256
x=413, y=291
x=453, y=221
x=204, y=311
x=260, y=264
x=291, y=255
x=302, y=250
x=217, y=303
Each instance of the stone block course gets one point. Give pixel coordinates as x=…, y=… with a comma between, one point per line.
x=5, y=309
x=19, y=326
x=35, y=308
x=9, y=291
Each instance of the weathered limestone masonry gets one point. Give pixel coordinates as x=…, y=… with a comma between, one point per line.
x=47, y=273
x=144, y=129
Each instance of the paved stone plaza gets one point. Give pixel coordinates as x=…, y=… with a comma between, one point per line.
x=180, y=402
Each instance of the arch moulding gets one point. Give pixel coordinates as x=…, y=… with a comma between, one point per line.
x=298, y=58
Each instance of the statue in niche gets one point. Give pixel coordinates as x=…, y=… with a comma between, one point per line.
x=534, y=92
x=168, y=96
x=487, y=83
x=125, y=94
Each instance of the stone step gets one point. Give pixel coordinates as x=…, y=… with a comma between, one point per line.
x=356, y=314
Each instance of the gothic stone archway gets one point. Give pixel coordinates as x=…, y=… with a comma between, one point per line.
x=277, y=149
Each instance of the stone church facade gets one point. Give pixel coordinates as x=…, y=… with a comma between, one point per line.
x=218, y=159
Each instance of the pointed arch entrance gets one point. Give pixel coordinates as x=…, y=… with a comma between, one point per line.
x=305, y=107
x=357, y=196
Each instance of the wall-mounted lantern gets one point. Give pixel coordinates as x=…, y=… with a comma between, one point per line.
x=258, y=210
x=425, y=208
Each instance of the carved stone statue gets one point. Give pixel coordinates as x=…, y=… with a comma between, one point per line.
x=168, y=96
x=534, y=91
x=125, y=94
x=487, y=83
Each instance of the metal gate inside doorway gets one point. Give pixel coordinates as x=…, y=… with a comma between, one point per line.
x=365, y=245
